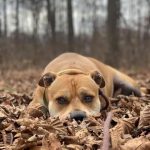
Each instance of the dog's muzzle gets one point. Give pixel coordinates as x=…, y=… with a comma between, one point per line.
x=78, y=115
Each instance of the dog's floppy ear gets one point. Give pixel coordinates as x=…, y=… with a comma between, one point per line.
x=47, y=79
x=98, y=78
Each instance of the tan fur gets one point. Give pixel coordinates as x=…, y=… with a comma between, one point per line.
x=73, y=78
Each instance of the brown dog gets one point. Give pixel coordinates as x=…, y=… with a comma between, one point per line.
x=76, y=86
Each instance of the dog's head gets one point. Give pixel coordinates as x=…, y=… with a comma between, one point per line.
x=73, y=94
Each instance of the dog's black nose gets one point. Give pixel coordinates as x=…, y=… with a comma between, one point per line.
x=78, y=115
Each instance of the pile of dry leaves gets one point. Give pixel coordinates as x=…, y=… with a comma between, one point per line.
x=126, y=127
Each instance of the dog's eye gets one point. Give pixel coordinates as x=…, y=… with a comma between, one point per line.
x=62, y=100
x=88, y=98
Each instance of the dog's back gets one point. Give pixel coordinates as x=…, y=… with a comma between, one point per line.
x=70, y=61
x=114, y=79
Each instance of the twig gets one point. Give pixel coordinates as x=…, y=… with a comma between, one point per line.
x=106, y=138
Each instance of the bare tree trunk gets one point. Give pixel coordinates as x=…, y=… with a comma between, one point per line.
x=147, y=26
x=146, y=37
x=17, y=19
x=0, y=37
x=35, y=26
x=139, y=46
x=51, y=18
x=70, y=25
x=113, y=17
x=36, y=10
x=5, y=17
x=0, y=28
x=94, y=18
x=36, y=7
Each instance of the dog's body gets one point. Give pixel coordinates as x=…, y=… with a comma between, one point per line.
x=72, y=83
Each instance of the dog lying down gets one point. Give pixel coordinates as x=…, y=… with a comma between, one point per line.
x=76, y=86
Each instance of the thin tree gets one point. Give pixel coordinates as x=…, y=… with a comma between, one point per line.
x=36, y=8
x=51, y=18
x=17, y=19
x=5, y=17
x=0, y=25
x=70, y=25
x=146, y=36
x=113, y=17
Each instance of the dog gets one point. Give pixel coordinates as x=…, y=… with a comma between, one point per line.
x=76, y=86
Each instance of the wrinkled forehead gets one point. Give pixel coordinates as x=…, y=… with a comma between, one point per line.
x=74, y=82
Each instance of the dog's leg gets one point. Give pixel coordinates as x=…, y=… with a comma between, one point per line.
x=125, y=85
x=37, y=97
x=38, y=103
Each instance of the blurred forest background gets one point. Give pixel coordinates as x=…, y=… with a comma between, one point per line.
x=32, y=32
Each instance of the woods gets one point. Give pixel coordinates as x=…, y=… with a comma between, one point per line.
x=116, y=32
x=111, y=110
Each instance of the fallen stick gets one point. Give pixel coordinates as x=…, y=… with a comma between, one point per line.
x=106, y=139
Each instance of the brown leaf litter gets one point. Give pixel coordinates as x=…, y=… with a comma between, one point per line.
x=126, y=127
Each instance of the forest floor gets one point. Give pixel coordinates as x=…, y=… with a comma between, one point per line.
x=126, y=127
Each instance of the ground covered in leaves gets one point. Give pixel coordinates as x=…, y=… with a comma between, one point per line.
x=126, y=127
